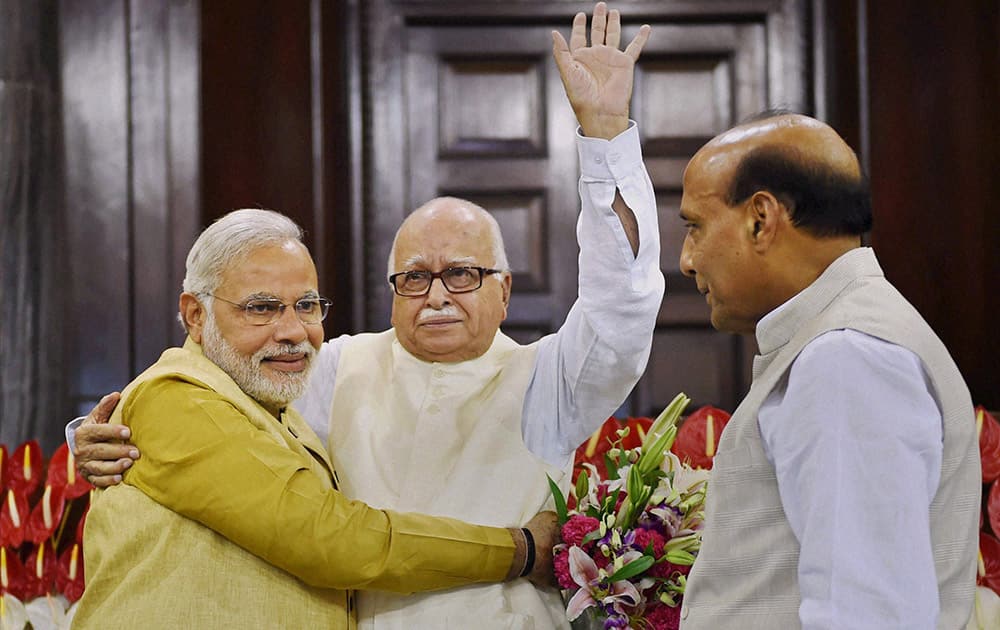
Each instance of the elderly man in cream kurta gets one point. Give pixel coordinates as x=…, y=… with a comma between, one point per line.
x=446, y=415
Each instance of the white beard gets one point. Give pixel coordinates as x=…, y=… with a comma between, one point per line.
x=277, y=390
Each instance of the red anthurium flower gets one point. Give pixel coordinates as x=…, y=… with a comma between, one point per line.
x=63, y=473
x=40, y=572
x=46, y=516
x=592, y=451
x=24, y=468
x=989, y=562
x=698, y=436
x=11, y=573
x=13, y=518
x=69, y=573
x=989, y=443
x=993, y=507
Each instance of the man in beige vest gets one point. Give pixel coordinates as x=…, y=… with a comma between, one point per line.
x=446, y=415
x=233, y=517
x=846, y=487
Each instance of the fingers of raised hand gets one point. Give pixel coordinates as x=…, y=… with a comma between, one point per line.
x=635, y=46
x=613, y=34
x=578, y=36
x=598, y=25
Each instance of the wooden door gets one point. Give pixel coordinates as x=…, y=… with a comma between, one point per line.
x=462, y=98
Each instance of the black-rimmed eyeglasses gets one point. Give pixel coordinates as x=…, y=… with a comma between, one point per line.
x=263, y=310
x=454, y=279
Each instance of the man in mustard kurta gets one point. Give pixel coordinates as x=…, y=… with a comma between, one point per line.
x=233, y=518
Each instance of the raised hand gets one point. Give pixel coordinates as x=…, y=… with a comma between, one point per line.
x=598, y=78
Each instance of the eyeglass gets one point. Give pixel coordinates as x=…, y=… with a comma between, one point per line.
x=454, y=279
x=263, y=311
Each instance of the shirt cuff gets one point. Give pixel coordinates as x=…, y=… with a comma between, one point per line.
x=71, y=432
x=609, y=159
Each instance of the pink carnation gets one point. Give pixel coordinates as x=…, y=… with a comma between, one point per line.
x=577, y=527
x=643, y=538
x=663, y=617
x=560, y=565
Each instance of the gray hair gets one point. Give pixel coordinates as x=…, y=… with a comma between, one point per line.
x=229, y=240
x=499, y=252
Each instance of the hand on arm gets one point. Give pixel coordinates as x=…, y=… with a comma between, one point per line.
x=102, y=451
x=544, y=528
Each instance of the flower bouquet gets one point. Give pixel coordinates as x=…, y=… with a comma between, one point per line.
x=41, y=527
x=629, y=539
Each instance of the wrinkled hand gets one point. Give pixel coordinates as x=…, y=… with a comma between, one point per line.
x=544, y=528
x=598, y=78
x=102, y=452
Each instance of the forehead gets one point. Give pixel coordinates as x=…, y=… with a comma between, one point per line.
x=285, y=270
x=439, y=239
x=706, y=180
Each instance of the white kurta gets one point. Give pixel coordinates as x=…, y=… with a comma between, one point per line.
x=453, y=448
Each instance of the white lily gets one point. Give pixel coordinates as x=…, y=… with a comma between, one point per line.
x=12, y=613
x=986, y=613
x=48, y=613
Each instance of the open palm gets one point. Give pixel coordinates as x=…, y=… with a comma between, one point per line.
x=598, y=78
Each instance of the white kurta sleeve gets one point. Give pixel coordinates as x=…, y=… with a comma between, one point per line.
x=855, y=437
x=314, y=404
x=585, y=371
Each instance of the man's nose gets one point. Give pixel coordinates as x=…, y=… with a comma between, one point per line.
x=289, y=328
x=438, y=295
x=686, y=261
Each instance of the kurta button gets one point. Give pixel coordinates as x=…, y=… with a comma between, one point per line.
x=433, y=409
x=438, y=373
x=684, y=612
x=598, y=159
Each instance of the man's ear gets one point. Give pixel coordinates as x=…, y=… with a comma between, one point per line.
x=764, y=214
x=193, y=314
x=505, y=283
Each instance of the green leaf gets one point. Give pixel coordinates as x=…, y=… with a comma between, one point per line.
x=611, y=466
x=557, y=496
x=591, y=536
x=582, y=486
x=632, y=569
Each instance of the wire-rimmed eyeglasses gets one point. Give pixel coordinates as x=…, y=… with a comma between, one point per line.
x=261, y=311
x=455, y=279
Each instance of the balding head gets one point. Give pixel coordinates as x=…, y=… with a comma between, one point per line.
x=800, y=160
x=453, y=214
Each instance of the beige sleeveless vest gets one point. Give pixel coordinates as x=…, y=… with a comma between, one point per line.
x=745, y=577
x=443, y=439
x=147, y=566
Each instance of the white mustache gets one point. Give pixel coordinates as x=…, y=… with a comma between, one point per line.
x=427, y=313
x=304, y=348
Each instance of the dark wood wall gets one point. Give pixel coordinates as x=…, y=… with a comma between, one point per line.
x=174, y=112
x=275, y=126
x=934, y=85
